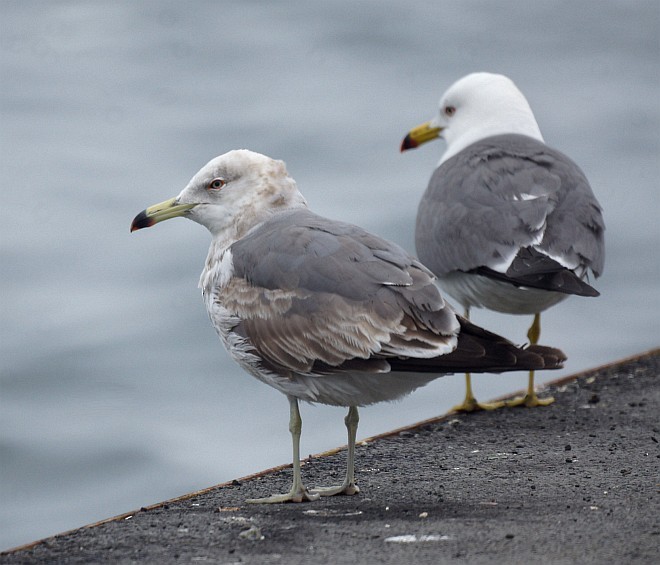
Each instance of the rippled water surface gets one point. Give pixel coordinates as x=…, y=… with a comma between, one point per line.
x=114, y=390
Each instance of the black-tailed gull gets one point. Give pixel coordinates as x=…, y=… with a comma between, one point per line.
x=321, y=310
x=506, y=223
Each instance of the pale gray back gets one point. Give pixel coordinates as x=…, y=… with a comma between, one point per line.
x=499, y=195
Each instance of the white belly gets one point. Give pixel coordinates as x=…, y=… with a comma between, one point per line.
x=483, y=292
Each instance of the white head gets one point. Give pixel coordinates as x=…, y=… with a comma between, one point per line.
x=229, y=195
x=477, y=106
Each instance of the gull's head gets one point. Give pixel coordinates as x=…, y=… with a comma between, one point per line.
x=229, y=195
x=477, y=106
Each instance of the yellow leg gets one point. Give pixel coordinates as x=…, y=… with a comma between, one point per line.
x=298, y=492
x=470, y=403
x=348, y=486
x=534, y=331
x=530, y=399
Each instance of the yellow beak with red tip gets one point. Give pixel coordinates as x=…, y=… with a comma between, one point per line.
x=420, y=135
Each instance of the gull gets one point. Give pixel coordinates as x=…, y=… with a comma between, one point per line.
x=322, y=310
x=506, y=223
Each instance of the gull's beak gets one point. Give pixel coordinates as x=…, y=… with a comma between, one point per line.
x=419, y=135
x=160, y=212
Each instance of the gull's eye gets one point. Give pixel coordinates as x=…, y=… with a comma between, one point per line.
x=450, y=110
x=216, y=184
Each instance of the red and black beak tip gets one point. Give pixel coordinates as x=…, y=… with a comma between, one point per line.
x=141, y=221
x=408, y=143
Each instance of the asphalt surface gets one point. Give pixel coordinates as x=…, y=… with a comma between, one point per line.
x=575, y=482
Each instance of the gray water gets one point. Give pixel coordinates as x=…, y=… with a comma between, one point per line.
x=115, y=392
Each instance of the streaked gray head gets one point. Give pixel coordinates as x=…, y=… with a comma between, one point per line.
x=230, y=194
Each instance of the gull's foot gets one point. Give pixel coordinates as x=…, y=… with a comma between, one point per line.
x=530, y=401
x=297, y=495
x=470, y=404
x=348, y=489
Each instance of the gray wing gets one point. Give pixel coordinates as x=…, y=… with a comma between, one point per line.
x=313, y=295
x=506, y=194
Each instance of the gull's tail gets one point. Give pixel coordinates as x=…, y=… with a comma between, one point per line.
x=481, y=351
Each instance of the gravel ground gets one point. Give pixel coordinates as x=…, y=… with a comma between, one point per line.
x=576, y=482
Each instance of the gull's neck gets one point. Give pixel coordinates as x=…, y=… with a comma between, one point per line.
x=503, y=112
x=468, y=138
x=218, y=266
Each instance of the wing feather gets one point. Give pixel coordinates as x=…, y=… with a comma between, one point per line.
x=312, y=292
x=504, y=194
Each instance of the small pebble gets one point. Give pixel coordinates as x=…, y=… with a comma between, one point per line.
x=252, y=533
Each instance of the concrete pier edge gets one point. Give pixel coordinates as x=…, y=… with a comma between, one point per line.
x=124, y=516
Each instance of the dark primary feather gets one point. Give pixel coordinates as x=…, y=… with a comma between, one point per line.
x=476, y=208
x=481, y=351
x=533, y=269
